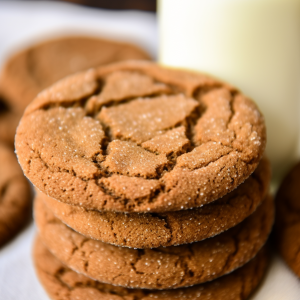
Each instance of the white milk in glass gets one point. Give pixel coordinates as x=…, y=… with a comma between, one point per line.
x=252, y=44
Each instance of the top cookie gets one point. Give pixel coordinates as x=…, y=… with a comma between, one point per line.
x=28, y=72
x=137, y=137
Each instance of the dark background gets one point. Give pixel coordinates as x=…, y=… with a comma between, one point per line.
x=147, y=5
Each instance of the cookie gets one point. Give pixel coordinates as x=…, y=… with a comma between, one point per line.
x=60, y=282
x=137, y=137
x=287, y=223
x=8, y=123
x=153, y=230
x=28, y=72
x=15, y=196
x=159, y=268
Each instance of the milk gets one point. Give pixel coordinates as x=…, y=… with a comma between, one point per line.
x=254, y=45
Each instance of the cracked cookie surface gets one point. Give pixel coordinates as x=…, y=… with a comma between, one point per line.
x=287, y=225
x=60, y=282
x=193, y=138
x=15, y=196
x=151, y=230
x=159, y=268
x=30, y=71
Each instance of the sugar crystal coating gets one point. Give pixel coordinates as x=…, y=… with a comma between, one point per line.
x=117, y=89
x=65, y=133
x=213, y=125
x=127, y=158
x=136, y=187
x=173, y=141
x=202, y=155
x=142, y=119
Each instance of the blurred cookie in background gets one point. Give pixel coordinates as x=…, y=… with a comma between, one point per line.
x=15, y=196
x=28, y=72
x=8, y=123
x=287, y=225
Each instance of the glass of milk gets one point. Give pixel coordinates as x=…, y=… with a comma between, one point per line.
x=252, y=44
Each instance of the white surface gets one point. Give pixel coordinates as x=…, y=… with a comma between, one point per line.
x=17, y=277
x=254, y=45
x=23, y=22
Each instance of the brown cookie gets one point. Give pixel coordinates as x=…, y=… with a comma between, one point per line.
x=15, y=196
x=287, y=223
x=137, y=137
x=8, y=123
x=159, y=268
x=153, y=230
x=28, y=72
x=61, y=282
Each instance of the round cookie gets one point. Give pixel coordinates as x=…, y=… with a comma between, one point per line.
x=152, y=230
x=137, y=137
x=159, y=268
x=15, y=196
x=61, y=282
x=30, y=71
x=287, y=225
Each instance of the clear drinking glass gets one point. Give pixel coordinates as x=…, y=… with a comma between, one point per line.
x=254, y=45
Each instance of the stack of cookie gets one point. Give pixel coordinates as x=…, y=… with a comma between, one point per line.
x=151, y=185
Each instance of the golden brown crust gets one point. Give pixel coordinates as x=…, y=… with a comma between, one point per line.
x=15, y=196
x=226, y=134
x=62, y=283
x=30, y=71
x=159, y=268
x=287, y=223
